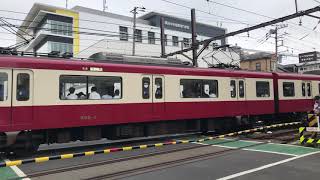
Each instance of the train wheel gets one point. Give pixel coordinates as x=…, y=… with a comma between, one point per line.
x=25, y=145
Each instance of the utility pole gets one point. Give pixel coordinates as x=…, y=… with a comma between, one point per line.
x=66, y=4
x=163, y=51
x=206, y=42
x=135, y=12
x=194, y=38
x=276, y=37
x=105, y=7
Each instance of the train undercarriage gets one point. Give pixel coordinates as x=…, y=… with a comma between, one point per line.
x=24, y=142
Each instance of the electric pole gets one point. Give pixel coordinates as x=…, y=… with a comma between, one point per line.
x=277, y=37
x=105, y=7
x=194, y=38
x=135, y=12
x=163, y=40
x=66, y=4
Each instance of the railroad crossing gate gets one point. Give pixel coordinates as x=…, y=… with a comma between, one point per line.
x=309, y=134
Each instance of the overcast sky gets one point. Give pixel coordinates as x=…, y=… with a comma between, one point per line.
x=228, y=18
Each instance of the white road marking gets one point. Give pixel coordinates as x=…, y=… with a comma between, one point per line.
x=201, y=143
x=271, y=152
x=292, y=145
x=265, y=167
x=18, y=172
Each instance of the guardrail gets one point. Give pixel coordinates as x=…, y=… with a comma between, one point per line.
x=128, y=148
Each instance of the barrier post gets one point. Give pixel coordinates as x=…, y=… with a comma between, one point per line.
x=313, y=126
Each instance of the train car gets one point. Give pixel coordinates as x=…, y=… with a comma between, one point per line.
x=296, y=92
x=55, y=100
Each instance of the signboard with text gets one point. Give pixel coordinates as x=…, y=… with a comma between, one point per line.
x=309, y=56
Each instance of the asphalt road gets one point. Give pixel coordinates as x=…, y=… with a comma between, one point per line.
x=262, y=162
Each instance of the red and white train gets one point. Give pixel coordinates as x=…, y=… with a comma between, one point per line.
x=46, y=100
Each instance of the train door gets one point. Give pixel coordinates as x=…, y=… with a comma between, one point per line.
x=238, y=93
x=306, y=89
x=158, y=96
x=147, y=111
x=22, y=97
x=5, y=97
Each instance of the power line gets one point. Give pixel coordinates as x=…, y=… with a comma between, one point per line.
x=86, y=20
x=252, y=12
x=184, y=6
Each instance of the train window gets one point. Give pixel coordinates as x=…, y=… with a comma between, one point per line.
x=241, y=88
x=90, y=87
x=23, y=81
x=73, y=87
x=210, y=87
x=3, y=86
x=104, y=87
x=233, y=89
x=145, y=88
x=262, y=89
x=303, y=88
x=309, y=89
x=158, y=92
x=197, y=88
x=288, y=89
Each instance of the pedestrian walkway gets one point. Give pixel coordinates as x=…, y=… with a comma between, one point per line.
x=7, y=173
x=284, y=149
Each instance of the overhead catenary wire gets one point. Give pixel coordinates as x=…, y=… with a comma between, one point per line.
x=118, y=23
x=254, y=13
x=130, y=35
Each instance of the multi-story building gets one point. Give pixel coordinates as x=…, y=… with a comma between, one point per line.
x=84, y=32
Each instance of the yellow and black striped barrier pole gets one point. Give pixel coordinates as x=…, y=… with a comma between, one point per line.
x=128, y=148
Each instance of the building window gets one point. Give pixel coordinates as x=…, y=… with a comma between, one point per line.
x=59, y=27
x=288, y=89
x=151, y=38
x=90, y=87
x=166, y=40
x=145, y=88
x=60, y=47
x=138, y=35
x=23, y=87
x=186, y=42
x=258, y=66
x=123, y=33
x=3, y=86
x=198, y=88
x=175, y=41
x=262, y=89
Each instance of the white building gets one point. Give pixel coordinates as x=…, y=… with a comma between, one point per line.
x=84, y=31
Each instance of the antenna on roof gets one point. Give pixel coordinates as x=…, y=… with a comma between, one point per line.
x=105, y=7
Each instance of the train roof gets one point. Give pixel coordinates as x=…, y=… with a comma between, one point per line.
x=298, y=76
x=86, y=65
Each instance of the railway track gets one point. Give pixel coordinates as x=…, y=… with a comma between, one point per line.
x=156, y=166
x=52, y=150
